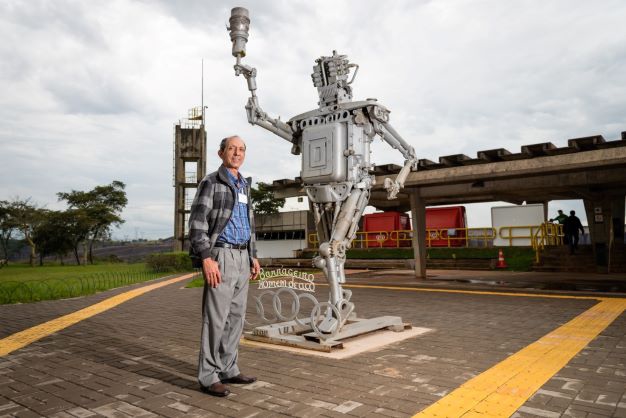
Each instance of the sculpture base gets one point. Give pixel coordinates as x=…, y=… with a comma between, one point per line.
x=292, y=334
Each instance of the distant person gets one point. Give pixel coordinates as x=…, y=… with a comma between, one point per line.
x=560, y=218
x=571, y=227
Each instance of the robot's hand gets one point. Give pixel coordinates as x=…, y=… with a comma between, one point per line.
x=392, y=187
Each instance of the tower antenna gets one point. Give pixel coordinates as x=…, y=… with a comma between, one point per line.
x=202, y=88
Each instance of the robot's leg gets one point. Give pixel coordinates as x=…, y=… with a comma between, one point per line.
x=332, y=254
x=324, y=219
x=343, y=234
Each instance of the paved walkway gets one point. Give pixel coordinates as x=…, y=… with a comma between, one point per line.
x=139, y=357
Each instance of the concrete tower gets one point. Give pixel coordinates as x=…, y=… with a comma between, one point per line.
x=189, y=169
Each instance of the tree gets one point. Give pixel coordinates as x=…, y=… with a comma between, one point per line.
x=100, y=209
x=77, y=225
x=51, y=234
x=263, y=200
x=8, y=226
x=27, y=217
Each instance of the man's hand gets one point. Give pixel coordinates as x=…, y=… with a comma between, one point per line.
x=255, y=269
x=211, y=271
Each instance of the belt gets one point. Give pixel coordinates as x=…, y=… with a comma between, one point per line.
x=232, y=246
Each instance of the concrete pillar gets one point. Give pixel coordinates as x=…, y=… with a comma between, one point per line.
x=618, y=205
x=179, y=192
x=600, y=219
x=418, y=213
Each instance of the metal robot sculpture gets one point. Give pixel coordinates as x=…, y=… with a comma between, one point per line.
x=334, y=141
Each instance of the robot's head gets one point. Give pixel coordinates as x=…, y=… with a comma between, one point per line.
x=330, y=76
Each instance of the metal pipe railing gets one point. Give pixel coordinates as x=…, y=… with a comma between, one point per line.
x=539, y=236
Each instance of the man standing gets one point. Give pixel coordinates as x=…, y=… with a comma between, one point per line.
x=560, y=218
x=221, y=231
x=571, y=227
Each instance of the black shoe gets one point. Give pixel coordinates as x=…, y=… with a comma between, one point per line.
x=240, y=379
x=216, y=389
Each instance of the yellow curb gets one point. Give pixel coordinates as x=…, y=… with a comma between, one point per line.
x=28, y=336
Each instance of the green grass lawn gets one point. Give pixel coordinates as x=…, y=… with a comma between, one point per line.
x=21, y=283
x=24, y=272
x=197, y=282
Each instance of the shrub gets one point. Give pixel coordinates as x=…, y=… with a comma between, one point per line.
x=173, y=261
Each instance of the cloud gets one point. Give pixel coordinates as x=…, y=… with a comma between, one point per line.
x=91, y=91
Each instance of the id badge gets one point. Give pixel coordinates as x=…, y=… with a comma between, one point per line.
x=243, y=198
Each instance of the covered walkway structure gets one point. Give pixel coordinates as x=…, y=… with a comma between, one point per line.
x=590, y=168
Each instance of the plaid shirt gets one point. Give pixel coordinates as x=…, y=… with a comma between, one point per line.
x=237, y=229
x=211, y=211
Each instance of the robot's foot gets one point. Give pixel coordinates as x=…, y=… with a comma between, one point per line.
x=333, y=320
x=325, y=319
x=328, y=325
x=347, y=311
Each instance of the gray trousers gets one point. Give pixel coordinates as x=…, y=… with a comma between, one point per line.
x=223, y=312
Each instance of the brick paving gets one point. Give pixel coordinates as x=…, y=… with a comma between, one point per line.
x=14, y=318
x=139, y=360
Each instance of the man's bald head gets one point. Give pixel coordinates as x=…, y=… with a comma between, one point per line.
x=225, y=141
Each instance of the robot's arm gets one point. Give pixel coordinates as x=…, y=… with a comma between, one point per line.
x=239, y=25
x=380, y=119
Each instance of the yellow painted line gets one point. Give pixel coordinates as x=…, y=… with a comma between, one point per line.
x=30, y=335
x=501, y=390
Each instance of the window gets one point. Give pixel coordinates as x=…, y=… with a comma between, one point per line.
x=280, y=235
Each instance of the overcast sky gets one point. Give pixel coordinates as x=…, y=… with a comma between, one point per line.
x=90, y=90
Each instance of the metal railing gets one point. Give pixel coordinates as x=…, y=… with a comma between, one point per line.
x=373, y=239
x=537, y=235
x=459, y=237
x=449, y=237
x=546, y=234
x=70, y=287
x=523, y=233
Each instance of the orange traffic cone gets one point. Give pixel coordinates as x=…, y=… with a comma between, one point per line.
x=501, y=263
